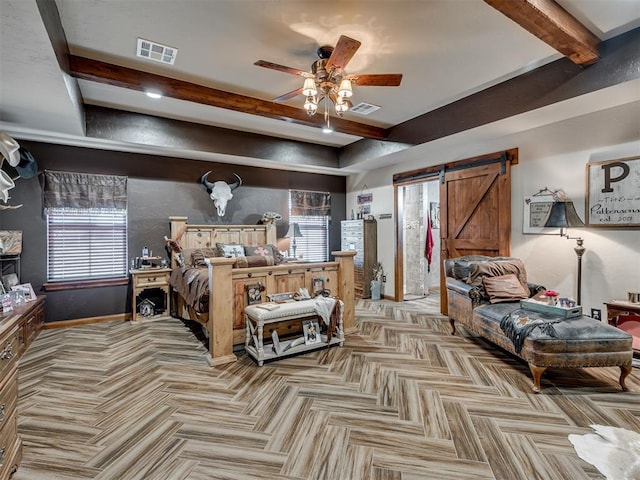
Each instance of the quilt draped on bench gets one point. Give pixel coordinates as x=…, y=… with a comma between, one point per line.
x=519, y=324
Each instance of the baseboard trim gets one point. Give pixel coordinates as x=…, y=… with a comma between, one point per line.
x=119, y=317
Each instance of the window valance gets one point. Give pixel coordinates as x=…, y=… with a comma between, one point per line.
x=84, y=191
x=306, y=203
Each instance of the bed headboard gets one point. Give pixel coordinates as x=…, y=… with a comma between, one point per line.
x=198, y=236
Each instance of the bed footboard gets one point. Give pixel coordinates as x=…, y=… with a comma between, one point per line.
x=228, y=298
x=228, y=286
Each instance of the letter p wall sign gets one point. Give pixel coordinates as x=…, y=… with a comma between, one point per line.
x=613, y=193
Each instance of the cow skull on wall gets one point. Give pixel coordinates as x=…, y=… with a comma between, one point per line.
x=220, y=192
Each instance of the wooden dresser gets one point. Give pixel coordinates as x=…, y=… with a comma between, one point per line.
x=18, y=328
x=361, y=236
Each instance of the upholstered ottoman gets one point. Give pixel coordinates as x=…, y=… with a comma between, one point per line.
x=574, y=343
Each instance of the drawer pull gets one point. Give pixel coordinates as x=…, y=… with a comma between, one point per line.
x=3, y=412
x=3, y=450
x=7, y=353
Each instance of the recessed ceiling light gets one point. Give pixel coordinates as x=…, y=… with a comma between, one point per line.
x=154, y=95
x=327, y=130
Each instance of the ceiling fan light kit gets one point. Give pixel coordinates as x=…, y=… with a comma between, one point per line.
x=327, y=80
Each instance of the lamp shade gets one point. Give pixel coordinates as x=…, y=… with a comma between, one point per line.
x=294, y=231
x=563, y=215
x=309, y=87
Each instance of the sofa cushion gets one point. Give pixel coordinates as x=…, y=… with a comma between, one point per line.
x=480, y=270
x=504, y=288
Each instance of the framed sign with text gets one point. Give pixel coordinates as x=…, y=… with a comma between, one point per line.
x=613, y=193
x=536, y=210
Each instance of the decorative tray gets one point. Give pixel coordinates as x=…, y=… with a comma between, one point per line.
x=564, y=312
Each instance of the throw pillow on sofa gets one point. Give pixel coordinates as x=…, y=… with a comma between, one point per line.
x=504, y=288
x=480, y=270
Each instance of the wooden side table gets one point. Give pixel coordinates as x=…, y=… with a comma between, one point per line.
x=618, y=307
x=150, y=299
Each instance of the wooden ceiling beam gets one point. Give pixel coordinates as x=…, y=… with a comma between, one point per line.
x=554, y=25
x=123, y=77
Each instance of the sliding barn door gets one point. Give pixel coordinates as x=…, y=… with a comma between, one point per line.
x=475, y=213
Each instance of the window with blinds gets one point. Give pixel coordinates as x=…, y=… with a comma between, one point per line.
x=304, y=209
x=86, y=245
x=314, y=243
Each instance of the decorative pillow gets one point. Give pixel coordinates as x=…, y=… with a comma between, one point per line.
x=265, y=250
x=230, y=250
x=480, y=270
x=199, y=254
x=504, y=288
x=254, y=261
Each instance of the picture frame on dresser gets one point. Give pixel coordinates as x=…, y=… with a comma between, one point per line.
x=27, y=291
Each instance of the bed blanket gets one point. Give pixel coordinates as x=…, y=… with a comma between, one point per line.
x=192, y=284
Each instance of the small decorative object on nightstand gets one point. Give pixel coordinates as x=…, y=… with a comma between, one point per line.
x=150, y=293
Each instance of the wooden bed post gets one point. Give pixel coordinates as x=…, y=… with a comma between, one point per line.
x=345, y=288
x=178, y=226
x=220, y=323
x=271, y=234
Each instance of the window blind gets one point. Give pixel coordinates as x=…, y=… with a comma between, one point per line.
x=311, y=211
x=314, y=243
x=86, y=244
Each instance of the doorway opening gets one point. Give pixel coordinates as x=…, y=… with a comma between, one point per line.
x=420, y=239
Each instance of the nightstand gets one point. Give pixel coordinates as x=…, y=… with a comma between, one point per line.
x=150, y=293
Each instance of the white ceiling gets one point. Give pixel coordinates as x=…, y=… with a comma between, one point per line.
x=446, y=50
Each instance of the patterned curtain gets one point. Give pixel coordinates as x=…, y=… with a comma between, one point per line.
x=84, y=191
x=305, y=203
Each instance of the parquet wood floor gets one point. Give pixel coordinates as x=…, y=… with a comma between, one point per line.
x=403, y=399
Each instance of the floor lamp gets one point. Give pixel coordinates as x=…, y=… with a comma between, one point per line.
x=563, y=215
x=293, y=232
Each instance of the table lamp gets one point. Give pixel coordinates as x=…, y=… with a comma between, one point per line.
x=563, y=215
x=293, y=232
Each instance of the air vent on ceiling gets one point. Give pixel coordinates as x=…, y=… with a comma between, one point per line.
x=364, y=108
x=157, y=52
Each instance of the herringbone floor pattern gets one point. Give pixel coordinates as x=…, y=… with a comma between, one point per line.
x=402, y=399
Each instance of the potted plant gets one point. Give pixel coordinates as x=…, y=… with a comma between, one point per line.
x=376, y=282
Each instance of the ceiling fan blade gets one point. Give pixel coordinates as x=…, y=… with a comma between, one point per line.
x=344, y=51
x=287, y=96
x=282, y=68
x=375, y=80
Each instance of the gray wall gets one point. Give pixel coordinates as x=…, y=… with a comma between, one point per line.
x=151, y=202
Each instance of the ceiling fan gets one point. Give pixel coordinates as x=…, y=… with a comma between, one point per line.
x=328, y=79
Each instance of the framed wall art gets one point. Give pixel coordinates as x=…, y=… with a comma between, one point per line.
x=536, y=209
x=10, y=242
x=613, y=193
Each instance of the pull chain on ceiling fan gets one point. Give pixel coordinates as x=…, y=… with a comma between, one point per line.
x=327, y=81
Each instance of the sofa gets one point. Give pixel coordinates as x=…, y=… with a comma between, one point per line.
x=484, y=294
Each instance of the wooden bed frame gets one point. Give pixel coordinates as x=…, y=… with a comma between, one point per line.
x=225, y=319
